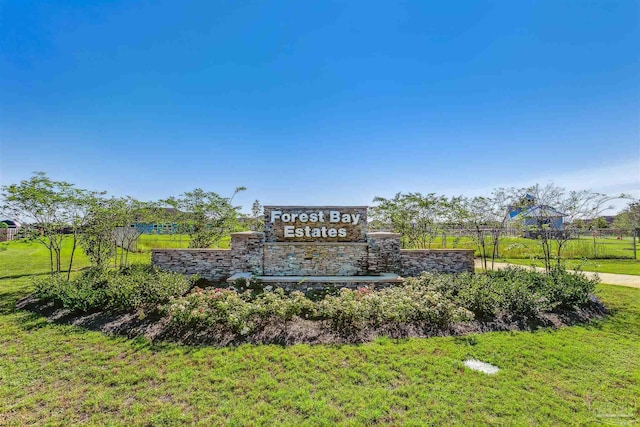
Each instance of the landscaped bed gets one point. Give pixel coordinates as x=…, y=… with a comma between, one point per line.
x=142, y=301
x=60, y=374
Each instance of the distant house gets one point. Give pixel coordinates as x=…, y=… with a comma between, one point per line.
x=10, y=232
x=11, y=223
x=159, y=228
x=532, y=217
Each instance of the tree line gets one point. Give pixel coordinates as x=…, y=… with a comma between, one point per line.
x=55, y=211
x=421, y=218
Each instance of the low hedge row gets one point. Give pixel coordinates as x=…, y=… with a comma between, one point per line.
x=513, y=290
x=245, y=312
x=130, y=289
x=431, y=300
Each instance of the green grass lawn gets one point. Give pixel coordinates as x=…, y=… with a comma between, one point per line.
x=617, y=266
x=65, y=375
x=518, y=247
x=146, y=242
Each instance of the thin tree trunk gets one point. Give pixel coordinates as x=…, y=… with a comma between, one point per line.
x=51, y=260
x=57, y=257
x=73, y=250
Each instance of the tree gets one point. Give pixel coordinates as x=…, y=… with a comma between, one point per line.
x=477, y=218
x=600, y=222
x=41, y=204
x=418, y=218
x=256, y=219
x=487, y=217
x=550, y=201
x=206, y=216
x=629, y=218
x=78, y=208
x=97, y=239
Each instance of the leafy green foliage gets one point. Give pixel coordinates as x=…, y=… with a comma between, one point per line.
x=136, y=287
x=432, y=300
x=418, y=218
x=512, y=291
x=205, y=216
x=357, y=309
x=629, y=218
x=240, y=312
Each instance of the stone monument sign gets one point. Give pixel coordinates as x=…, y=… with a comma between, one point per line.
x=314, y=246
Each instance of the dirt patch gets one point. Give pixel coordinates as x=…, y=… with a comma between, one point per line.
x=156, y=327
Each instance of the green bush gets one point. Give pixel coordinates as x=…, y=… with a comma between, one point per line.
x=477, y=294
x=513, y=290
x=566, y=290
x=83, y=294
x=133, y=288
x=241, y=312
x=431, y=300
x=357, y=309
x=348, y=311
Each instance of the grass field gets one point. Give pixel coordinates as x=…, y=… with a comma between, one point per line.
x=146, y=242
x=518, y=247
x=64, y=375
x=616, y=266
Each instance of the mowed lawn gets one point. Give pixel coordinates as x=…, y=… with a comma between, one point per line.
x=64, y=375
x=578, y=249
x=615, y=266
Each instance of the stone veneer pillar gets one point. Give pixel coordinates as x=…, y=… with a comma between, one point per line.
x=246, y=252
x=384, y=252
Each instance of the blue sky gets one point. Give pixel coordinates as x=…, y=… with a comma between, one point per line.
x=321, y=102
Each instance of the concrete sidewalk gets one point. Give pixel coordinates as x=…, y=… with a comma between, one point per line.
x=608, y=278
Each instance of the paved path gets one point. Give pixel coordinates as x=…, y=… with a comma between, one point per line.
x=608, y=278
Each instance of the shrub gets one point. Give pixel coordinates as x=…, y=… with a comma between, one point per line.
x=133, y=288
x=83, y=294
x=512, y=290
x=478, y=294
x=348, y=311
x=357, y=309
x=565, y=289
x=240, y=312
x=429, y=301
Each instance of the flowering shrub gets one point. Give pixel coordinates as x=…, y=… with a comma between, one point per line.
x=397, y=305
x=246, y=311
x=430, y=301
x=240, y=312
